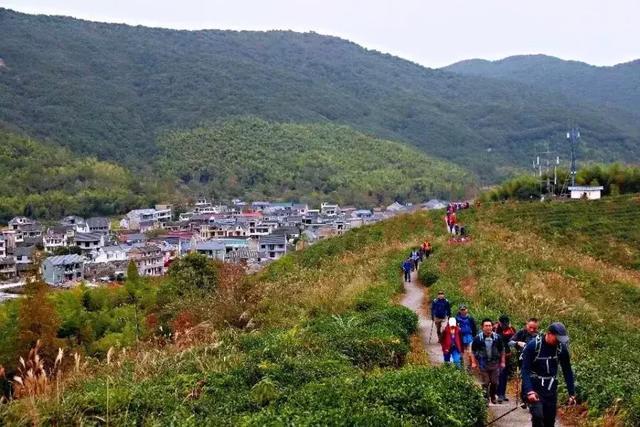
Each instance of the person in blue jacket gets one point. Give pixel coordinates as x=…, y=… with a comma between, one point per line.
x=407, y=266
x=440, y=312
x=540, y=359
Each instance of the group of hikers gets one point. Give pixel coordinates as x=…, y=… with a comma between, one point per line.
x=457, y=230
x=497, y=350
x=414, y=259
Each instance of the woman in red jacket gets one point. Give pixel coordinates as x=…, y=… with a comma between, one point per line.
x=452, y=343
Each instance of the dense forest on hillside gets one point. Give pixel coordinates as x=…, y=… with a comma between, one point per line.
x=109, y=90
x=617, y=86
x=45, y=181
x=252, y=158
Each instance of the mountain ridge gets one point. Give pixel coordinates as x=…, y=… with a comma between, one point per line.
x=110, y=90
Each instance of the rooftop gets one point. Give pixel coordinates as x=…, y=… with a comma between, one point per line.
x=64, y=259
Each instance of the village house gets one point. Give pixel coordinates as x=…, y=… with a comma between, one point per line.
x=149, y=260
x=329, y=209
x=274, y=247
x=24, y=259
x=3, y=247
x=19, y=221
x=88, y=242
x=109, y=254
x=9, y=236
x=99, y=225
x=63, y=269
x=149, y=218
x=212, y=249
x=78, y=224
x=53, y=240
x=396, y=207
x=8, y=268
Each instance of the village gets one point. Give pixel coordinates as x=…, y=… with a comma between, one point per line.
x=98, y=250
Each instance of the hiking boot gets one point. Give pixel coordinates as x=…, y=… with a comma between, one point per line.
x=500, y=399
x=493, y=400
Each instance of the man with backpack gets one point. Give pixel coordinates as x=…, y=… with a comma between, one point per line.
x=468, y=328
x=540, y=360
x=505, y=331
x=488, y=356
x=407, y=266
x=440, y=311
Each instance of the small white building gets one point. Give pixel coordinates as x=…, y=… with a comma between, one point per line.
x=586, y=192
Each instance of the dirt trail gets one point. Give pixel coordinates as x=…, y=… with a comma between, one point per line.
x=413, y=299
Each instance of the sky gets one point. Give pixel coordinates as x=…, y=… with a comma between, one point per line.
x=431, y=33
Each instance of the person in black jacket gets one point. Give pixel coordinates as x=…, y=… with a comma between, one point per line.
x=488, y=356
x=440, y=312
x=540, y=360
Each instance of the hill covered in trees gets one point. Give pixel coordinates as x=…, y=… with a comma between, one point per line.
x=46, y=181
x=109, y=90
x=312, y=162
x=617, y=86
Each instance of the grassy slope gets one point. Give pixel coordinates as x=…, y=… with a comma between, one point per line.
x=606, y=229
x=328, y=348
x=525, y=274
x=108, y=90
x=253, y=158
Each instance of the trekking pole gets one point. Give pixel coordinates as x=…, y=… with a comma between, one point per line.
x=430, y=332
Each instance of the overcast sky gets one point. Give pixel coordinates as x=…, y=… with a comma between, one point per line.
x=432, y=33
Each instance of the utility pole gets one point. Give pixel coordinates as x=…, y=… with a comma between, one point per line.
x=574, y=137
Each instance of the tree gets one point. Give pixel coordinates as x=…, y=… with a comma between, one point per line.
x=38, y=320
x=194, y=272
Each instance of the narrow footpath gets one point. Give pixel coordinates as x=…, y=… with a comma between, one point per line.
x=415, y=299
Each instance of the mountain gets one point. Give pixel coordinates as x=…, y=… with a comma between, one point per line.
x=617, y=86
x=50, y=182
x=257, y=159
x=109, y=90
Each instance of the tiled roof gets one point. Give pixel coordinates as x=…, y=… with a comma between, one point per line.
x=64, y=259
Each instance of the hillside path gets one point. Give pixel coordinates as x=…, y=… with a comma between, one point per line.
x=415, y=299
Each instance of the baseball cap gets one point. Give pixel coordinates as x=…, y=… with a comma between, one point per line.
x=504, y=319
x=452, y=321
x=559, y=331
x=462, y=306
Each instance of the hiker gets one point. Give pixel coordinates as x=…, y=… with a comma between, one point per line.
x=452, y=343
x=488, y=356
x=427, y=248
x=407, y=265
x=440, y=311
x=467, y=325
x=505, y=331
x=540, y=360
x=523, y=336
x=518, y=342
x=453, y=220
x=415, y=258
